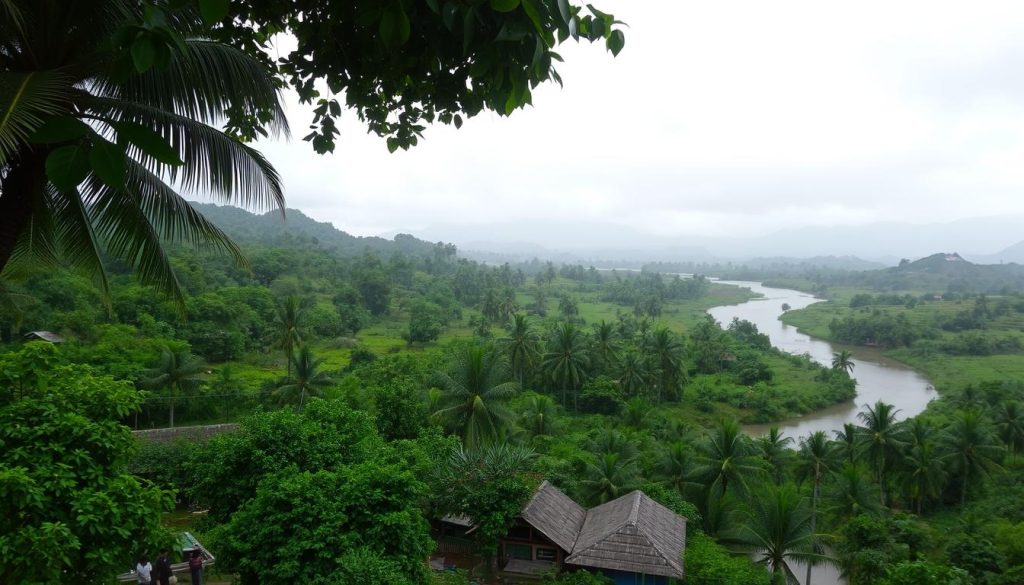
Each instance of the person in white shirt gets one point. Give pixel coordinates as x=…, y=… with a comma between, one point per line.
x=144, y=571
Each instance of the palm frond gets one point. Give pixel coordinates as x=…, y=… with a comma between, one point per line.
x=37, y=241
x=76, y=238
x=128, y=234
x=205, y=82
x=27, y=99
x=215, y=163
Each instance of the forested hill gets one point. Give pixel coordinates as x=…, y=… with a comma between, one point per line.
x=950, y=272
x=299, y=230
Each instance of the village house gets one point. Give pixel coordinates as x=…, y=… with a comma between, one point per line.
x=632, y=539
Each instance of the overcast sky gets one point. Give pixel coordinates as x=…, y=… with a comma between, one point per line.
x=718, y=118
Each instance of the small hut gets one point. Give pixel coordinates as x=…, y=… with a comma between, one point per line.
x=43, y=336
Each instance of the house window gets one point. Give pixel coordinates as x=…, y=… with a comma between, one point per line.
x=546, y=554
x=517, y=551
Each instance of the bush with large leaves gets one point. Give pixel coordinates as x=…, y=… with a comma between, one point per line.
x=69, y=509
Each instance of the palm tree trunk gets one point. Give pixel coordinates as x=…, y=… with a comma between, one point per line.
x=963, y=491
x=814, y=520
x=172, y=408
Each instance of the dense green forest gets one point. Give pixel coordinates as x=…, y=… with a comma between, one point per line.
x=399, y=369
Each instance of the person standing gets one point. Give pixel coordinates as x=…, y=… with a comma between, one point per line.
x=163, y=569
x=195, y=565
x=144, y=571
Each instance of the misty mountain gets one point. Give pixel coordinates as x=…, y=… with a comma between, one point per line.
x=977, y=238
x=1014, y=253
x=297, y=229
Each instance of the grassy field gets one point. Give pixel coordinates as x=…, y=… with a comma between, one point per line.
x=944, y=370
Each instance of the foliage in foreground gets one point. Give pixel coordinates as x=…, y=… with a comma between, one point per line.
x=69, y=509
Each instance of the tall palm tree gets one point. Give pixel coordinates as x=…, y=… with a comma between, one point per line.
x=633, y=373
x=539, y=416
x=566, y=359
x=612, y=441
x=816, y=459
x=973, y=447
x=507, y=305
x=843, y=360
x=605, y=345
x=308, y=378
x=176, y=371
x=521, y=346
x=851, y=492
x=773, y=448
x=725, y=457
x=1009, y=418
x=608, y=476
x=666, y=351
x=777, y=528
x=924, y=472
x=674, y=466
x=848, y=443
x=475, y=388
x=882, y=438
x=97, y=133
x=289, y=320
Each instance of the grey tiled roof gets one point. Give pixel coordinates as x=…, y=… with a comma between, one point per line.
x=632, y=533
x=555, y=515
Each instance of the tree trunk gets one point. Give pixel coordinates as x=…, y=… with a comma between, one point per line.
x=18, y=191
x=814, y=519
x=172, y=408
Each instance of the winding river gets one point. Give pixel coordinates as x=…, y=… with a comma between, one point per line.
x=877, y=378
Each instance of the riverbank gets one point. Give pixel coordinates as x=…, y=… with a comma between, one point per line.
x=950, y=359
x=877, y=378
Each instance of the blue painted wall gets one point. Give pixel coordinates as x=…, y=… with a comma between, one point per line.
x=625, y=578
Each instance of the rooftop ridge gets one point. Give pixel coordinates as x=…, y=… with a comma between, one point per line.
x=634, y=513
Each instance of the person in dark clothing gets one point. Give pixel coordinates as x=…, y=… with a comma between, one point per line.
x=162, y=571
x=195, y=566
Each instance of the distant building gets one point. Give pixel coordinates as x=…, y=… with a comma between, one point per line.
x=43, y=336
x=632, y=539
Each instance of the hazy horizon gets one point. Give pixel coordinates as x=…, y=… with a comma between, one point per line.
x=720, y=123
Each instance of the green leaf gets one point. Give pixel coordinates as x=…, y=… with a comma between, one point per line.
x=531, y=11
x=392, y=144
x=451, y=10
x=107, y=161
x=458, y=121
x=504, y=5
x=615, y=42
x=434, y=6
x=143, y=54
x=67, y=166
x=148, y=142
x=468, y=30
x=563, y=9
x=213, y=11
x=59, y=129
x=394, y=26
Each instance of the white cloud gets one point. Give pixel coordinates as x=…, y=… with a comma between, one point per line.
x=717, y=117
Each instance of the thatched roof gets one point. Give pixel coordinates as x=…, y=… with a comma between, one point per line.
x=555, y=515
x=632, y=533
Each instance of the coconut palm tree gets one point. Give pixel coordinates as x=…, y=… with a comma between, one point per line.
x=289, y=317
x=612, y=441
x=539, y=416
x=924, y=472
x=973, y=448
x=848, y=443
x=108, y=107
x=566, y=360
x=674, y=466
x=633, y=373
x=605, y=346
x=176, y=371
x=816, y=459
x=843, y=360
x=666, y=351
x=851, y=492
x=773, y=447
x=475, y=388
x=882, y=439
x=608, y=476
x=521, y=346
x=1009, y=418
x=725, y=458
x=308, y=378
x=777, y=527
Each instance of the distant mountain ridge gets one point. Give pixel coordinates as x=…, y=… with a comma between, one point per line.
x=298, y=229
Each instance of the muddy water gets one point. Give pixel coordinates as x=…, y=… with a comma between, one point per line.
x=877, y=378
